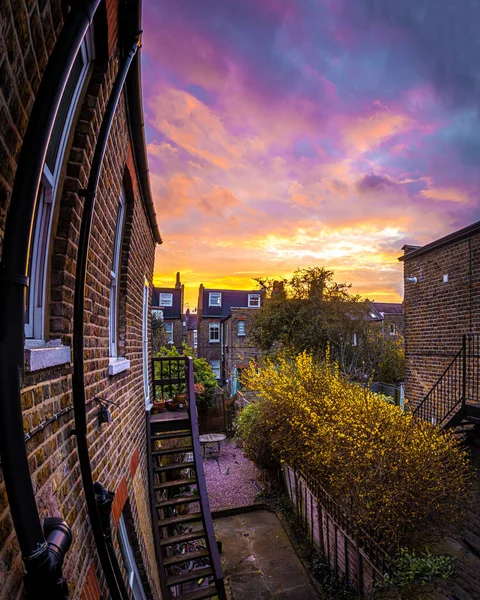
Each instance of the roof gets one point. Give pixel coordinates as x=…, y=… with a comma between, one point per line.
x=389, y=308
x=192, y=320
x=169, y=312
x=451, y=238
x=230, y=299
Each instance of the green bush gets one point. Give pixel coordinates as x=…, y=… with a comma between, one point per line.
x=425, y=567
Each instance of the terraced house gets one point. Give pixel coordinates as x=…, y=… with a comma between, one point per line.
x=78, y=233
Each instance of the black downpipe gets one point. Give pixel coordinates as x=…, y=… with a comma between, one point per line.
x=109, y=561
x=14, y=281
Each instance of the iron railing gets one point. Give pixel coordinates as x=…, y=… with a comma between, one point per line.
x=458, y=386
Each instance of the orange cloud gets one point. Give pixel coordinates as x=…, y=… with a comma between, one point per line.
x=368, y=132
x=446, y=195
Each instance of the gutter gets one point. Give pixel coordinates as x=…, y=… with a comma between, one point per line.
x=137, y=122
x=42, y=548
x=105, y=550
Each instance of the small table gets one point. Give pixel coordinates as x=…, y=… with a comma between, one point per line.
x=211, y=438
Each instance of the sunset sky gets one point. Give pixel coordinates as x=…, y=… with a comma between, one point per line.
x=293, y=133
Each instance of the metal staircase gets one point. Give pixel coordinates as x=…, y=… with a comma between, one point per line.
x=187, y=551
x=454, y=400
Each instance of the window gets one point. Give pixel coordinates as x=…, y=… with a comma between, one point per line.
x=195, y=338
x=126, y=549
x=253, y=300
x=214, y=299
x=354, y=342
x=36, y=293
x=393, y=329
x=115, y=276
x=157, y=313
x=215, y=364
x=166, y=300
x=214, y=332
x=169, y=331
x=241, y=328
x=146, y=384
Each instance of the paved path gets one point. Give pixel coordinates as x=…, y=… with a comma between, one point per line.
x=259, y=559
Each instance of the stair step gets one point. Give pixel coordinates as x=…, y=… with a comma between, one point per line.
x=188, y=518
x=178, y=559
x=185, y=537
x=178, y=500
x=184, y=450
x=172, y=435
x=176, y=483
x=174, y=466
x=189, y=576
x=201, y=594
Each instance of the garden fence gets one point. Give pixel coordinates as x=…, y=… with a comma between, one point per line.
x=355, y=558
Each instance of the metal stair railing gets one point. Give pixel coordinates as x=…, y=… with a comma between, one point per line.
x=201, y=483
x=457, y=386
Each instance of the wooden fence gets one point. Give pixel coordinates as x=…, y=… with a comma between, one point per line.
x=357, y=559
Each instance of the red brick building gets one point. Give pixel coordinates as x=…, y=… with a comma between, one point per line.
x=167, y=304
x=36, y=41
x=442, y=302
x=215, y=305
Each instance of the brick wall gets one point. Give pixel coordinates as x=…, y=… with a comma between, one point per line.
x=205, y=348
x=438, y=313
x=28, y=32
x=240, y=349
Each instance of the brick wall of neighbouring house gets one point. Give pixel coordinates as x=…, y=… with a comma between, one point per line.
x=241, y=349
x=28, y=33
x=206, y=349
x=437, y=314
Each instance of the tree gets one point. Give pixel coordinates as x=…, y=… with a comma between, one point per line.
x=401, y=479
x=311, y=311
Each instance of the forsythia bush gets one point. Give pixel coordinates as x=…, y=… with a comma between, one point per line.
x=401, y=479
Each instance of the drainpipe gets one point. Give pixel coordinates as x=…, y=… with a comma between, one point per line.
x=108, y=558
x=42, y=557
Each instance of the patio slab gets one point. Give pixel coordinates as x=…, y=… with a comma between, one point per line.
x=259, y=559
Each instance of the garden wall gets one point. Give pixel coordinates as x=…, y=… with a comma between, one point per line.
x=216, y=419
x=360, y=565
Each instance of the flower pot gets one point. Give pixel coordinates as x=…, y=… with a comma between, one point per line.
x=158, y=406
x=171, y=405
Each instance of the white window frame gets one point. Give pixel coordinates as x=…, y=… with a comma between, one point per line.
x=126, y=550
x=214, y=339
x=355, y=340
x=158, y=313
x=115, y=277
x=215, y=369
x=168, y=325
x=195, y=338
x=253, y=297
x=393, y=329
x=35, y=308
x=165, y=299
x=146, y=374
x=241, y=329
x=214, y=299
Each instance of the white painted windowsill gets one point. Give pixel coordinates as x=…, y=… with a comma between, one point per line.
x=117, y=365
x=40, y=355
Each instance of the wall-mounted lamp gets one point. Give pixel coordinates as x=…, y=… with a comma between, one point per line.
x=411, y=279
x=104, y=414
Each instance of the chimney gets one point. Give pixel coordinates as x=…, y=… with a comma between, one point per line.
x=277, y=288
x=200, y=300
x=178, y=284
x=409, y=248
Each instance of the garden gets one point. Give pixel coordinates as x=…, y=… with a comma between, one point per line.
x=403, y=481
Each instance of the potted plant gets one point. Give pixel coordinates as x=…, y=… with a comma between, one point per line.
x=172, y=404
x=158, y=406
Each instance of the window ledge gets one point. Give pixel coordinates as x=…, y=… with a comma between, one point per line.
x=45, y=356
x=117, y=365
x=213, y=341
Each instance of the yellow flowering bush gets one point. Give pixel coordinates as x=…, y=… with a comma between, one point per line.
x=398, y=478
